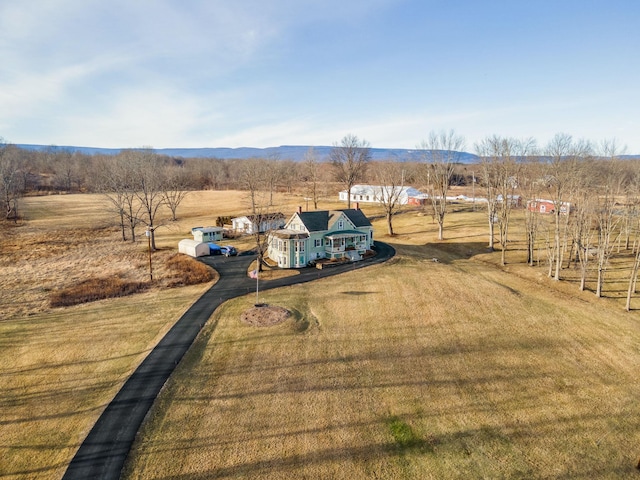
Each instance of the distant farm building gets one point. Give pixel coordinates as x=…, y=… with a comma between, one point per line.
x=207, y=234
x=514, y=200
x=251, y=224
x=380, y=193
x=548, y=206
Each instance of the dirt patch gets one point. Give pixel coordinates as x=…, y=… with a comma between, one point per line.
x=265, y=315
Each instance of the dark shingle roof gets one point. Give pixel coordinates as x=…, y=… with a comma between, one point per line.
x=289, y=234
x=358, y=218
x=319, y=220
x=315, y=221
x=265, y=216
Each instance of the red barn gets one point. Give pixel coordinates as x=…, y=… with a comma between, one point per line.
x=547, y=206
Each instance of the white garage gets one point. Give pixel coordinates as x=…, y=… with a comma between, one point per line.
x=193, y=248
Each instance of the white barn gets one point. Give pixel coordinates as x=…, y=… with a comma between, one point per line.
x=378, y=193
x=193, y=248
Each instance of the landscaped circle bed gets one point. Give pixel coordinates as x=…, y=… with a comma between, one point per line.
x=263, y=315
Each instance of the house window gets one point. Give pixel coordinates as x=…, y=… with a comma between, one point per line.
x=340, y=225
x=284, y=246
x=317, y=242
x=367, y=198
x=300, y=246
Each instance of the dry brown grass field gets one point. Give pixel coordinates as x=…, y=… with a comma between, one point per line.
x=412, y=369
x=458, y=368
x=59, y=367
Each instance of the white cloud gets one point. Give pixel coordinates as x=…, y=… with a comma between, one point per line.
x=217, y=73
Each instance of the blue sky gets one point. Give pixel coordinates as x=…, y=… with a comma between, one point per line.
x=218, y=73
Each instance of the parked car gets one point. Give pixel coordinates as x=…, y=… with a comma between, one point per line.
x=215, y=249
x=229, y=251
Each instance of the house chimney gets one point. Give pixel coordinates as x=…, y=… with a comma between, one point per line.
x=299, y=208
x=357, y=205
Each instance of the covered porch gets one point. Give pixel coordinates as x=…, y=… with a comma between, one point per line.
x=348, y=243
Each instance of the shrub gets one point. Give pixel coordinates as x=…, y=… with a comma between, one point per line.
x=95, y=289
x=187, y=271
x=222, y=221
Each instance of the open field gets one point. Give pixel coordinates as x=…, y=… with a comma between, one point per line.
x=413, y=369
x=69, y=238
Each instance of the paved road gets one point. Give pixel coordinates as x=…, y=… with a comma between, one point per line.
x=104, y=451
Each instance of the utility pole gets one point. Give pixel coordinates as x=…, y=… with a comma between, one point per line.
x=473, y=189
x=148, y=234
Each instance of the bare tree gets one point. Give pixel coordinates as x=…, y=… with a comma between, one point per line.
x=350, y=159
x=147, y=183
x=110, y=185
x=390, y=179
x=582, y=234
x=311, y=176
x=440, y=152
x=488, y=150
x=289, y=174
x=66, y=167
x=174, y=190
x=633, y=280
x=633, y=193
x=11, y=180
x=116, y=181
x=563, y=162
x=254, y=179
x=610, y=189
x=273, y=173
x=528, y=186
x=500, y=172
x=512, y=150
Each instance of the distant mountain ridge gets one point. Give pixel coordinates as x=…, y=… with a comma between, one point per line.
x=284, y=152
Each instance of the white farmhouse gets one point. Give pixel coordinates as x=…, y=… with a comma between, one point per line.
x=332, y=234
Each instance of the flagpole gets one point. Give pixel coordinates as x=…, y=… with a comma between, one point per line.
x=257, y=274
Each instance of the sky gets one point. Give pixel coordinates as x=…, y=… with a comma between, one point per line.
x=256, y=73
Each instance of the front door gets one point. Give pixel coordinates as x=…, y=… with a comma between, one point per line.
x=299, y=253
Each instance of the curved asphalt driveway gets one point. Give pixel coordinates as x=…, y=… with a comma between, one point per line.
x=104, y=451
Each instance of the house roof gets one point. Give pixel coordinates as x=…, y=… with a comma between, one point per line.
x=345, y=234
x=320, y=220
x=207, y=229
x=356, y=216
x=262, y=217
x=287, y=234
x=315, y=221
